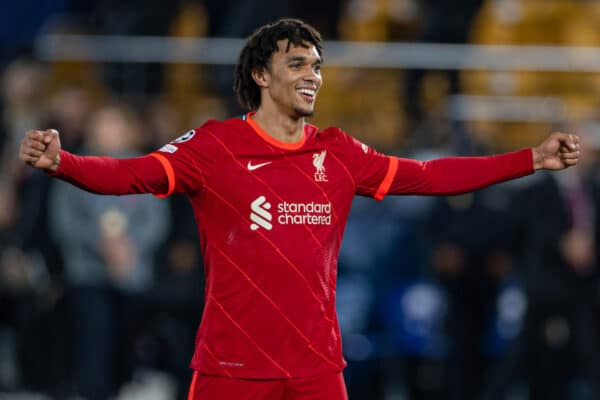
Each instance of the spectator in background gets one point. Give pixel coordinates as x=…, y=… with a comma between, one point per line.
x=15, y=288
x=470, y=257
x=69, y=110
x=108, y=244
x=25, y=287
x=21, y=106
x=559, y=232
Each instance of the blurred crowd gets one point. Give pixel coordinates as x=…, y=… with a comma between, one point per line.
x=488, y=295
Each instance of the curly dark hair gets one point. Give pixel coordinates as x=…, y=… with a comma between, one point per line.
x=257, y=53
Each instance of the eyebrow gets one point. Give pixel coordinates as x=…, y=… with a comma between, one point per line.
x=303, y=59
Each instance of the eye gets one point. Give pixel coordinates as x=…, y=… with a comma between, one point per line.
x=317, y=67
x=296, y=65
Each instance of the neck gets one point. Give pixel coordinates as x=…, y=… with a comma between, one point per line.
x=280, y=126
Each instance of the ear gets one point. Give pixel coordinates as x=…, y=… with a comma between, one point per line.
x=261, y=77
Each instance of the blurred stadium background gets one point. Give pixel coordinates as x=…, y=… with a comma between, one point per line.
x=491, y=295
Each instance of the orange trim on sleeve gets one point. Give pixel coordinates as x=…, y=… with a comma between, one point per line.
x=193, y=386
x=270, y=139
x=384, y=187
x=170, y=174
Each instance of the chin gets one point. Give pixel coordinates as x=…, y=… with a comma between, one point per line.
x=302, y=112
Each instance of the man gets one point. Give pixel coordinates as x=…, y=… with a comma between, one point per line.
x=271, y=195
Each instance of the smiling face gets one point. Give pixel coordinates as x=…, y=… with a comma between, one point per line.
x=292, y=80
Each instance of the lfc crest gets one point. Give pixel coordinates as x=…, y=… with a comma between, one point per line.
x=318, y=160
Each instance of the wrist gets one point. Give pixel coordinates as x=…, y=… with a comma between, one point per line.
x=537, y=158
x=55, y=163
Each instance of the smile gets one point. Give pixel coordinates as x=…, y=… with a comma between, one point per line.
x=307, y=94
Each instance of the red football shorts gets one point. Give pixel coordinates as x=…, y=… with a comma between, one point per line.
x=330, y=387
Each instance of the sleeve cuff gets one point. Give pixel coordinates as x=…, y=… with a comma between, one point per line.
x=170, y=174
x=386, y=183
x=65, y=159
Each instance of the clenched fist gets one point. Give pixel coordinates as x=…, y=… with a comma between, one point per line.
x=558, y=151
x=41, y=149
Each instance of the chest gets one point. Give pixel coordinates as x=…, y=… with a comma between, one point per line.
x=310, y=187
x=304, y=175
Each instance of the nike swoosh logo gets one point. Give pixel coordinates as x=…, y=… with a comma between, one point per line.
x=256, y=166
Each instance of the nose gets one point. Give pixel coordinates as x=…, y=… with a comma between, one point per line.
x=314, y=77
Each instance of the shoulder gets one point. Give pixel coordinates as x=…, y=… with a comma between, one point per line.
x=219, y=128
x=330, y=134
x=338, y=138
x=228, y=124
x=209, y=128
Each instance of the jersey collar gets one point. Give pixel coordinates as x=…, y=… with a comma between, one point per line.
x=270, y=139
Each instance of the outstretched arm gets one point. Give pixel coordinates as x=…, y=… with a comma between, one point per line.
x=103, y=175
x=455, y=175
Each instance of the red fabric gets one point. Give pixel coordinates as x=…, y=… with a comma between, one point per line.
x=387, y=181
x=329, y=387
x=170, y=174
x=271, y=220
x=107, y=175
x=455, y=175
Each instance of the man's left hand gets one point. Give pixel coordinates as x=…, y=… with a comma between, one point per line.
x=558, y=151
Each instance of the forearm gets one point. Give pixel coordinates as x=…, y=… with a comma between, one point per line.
x=107, y=175
x=455, y=175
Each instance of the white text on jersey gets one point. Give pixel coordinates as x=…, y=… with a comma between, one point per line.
x=309, y=213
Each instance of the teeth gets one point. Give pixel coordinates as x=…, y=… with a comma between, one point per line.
x=308, y=92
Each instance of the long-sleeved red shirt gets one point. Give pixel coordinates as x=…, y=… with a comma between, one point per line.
x=271, y=217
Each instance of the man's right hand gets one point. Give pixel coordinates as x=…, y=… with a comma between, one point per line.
x=41, y=149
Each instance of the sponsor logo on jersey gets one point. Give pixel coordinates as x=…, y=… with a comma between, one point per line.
x=168, y=148
x=304, y=213
x=310, y=213
x=260, y=215
x=185, y=137
x=318, y=161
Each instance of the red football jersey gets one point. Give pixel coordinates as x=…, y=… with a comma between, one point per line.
x=271, y=217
